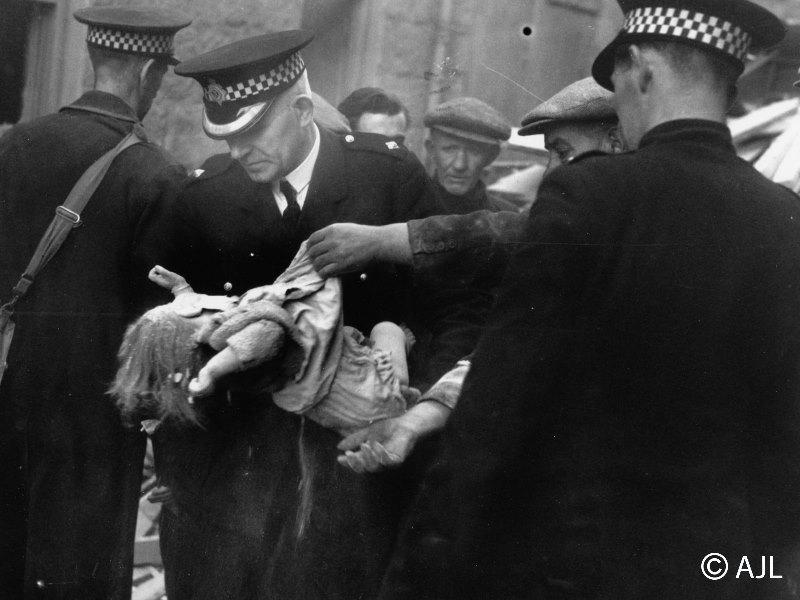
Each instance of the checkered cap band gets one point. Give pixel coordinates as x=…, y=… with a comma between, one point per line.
x=278, y=77
x=131, y=41
x=699, y=27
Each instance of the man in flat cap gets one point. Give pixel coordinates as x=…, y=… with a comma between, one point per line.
x=241, y=528
x=71, y=473
x=464, y=138
x=630, y=426
x=578, y=119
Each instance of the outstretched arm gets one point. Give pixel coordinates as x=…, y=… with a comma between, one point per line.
x=347, y=247
x=388, y=443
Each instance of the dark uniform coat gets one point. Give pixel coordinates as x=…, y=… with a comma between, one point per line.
x=83, y=470
x=232, y=532
x=633, y=405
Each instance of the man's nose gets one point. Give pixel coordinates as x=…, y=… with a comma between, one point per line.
x=238, y=150
x=460, y=161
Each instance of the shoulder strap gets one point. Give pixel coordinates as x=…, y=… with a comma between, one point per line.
x=68, y=215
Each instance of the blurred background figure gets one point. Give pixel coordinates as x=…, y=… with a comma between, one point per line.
x=373, y=110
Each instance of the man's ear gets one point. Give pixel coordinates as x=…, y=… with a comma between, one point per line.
x=640, y=62
x=614, y=143
x=304, y=108
x=148, y=65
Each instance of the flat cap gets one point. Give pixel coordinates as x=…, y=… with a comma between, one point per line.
x=728, y=28
x=140, y=30
x=469, y=118
x=241, y=80
x=583, y=100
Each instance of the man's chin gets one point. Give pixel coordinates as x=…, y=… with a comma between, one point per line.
x=457, y=189
x=261, y=175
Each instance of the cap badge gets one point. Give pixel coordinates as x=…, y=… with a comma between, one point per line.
x=215, y=92
x=392, y=145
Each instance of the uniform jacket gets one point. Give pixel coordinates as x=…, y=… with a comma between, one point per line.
x=242, y=472
x=633, y=405
x=84, y=470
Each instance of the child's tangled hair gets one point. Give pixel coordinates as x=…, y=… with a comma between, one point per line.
x=158, y=357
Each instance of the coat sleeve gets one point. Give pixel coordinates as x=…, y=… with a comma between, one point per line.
x=459, y=247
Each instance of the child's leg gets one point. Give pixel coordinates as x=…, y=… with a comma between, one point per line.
x=391, y=338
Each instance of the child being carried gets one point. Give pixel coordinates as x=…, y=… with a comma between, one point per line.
x=292, y=330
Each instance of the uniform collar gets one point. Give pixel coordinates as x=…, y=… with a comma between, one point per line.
x=700, y=131
x=103, y=103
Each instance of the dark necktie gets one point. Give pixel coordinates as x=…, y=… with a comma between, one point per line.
x=292, y=212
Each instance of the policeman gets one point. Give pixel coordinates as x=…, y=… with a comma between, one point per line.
x=238, y=224
x=67, y=526
x=464, y=138
x=640, y=366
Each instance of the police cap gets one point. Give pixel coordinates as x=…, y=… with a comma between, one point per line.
x=241, y=80
x=140, y=30
x=728, y=28
x=469, y=118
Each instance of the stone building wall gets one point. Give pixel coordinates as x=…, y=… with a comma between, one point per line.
x=509, y=53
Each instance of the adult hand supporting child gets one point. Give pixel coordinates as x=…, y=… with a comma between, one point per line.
x=388, y=443
x=348, y=247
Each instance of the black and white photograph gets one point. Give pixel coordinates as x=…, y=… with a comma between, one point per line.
x=399, y=300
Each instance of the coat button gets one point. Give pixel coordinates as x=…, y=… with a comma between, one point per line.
x=228, y=286
x=363, y=277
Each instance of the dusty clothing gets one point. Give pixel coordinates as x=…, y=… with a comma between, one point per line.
x=82, y=469
x=633, y=404
x=464, y=247
x=343, y=382
x=448, y=389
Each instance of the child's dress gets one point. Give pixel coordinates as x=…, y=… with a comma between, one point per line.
x=343, y=383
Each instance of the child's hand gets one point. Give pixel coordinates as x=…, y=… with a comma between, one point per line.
x=169, y=280
x=203, y=384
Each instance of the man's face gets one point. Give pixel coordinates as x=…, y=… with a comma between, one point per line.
x=627, y=99
x=566, y=140
x=393, y=126
x=459, y=161
x=270, y=149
